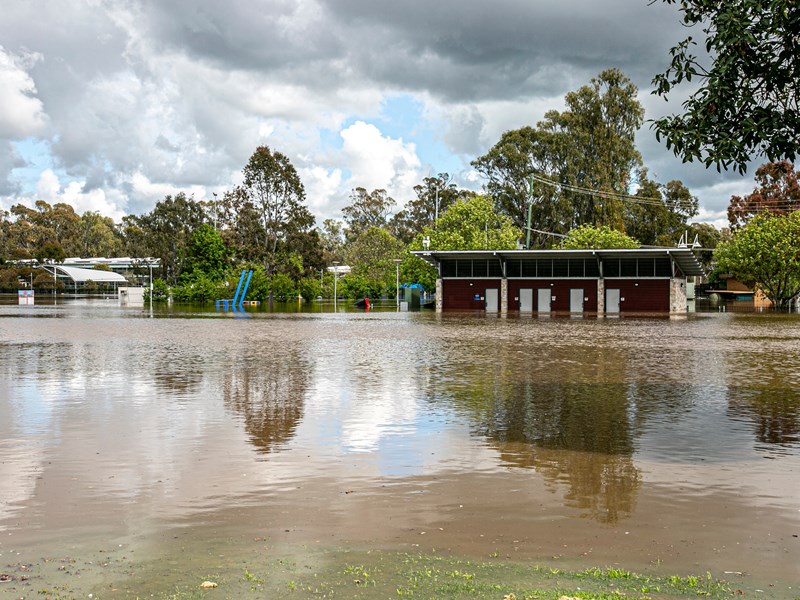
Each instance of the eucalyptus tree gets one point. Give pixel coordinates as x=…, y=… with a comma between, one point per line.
x=433, y=196
x=587, y=147
x=659, y=214
x=366, y=210
x=165, y=232
x=272, y=190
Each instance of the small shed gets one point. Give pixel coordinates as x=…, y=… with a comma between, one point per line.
x=410, y=296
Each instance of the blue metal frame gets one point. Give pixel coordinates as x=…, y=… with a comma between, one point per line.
x=238, y=301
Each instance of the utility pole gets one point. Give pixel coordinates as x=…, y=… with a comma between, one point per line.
x=215, y=210
x=530, y=212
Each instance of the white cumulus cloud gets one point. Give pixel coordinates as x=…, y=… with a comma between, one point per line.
x=21, y=112
x=377, y=161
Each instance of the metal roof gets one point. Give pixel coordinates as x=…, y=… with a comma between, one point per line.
x=683, y=257
x=83, y=275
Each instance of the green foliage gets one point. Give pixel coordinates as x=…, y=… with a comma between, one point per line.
x=421, y=212
x=473, y=224
x=597, y=238
x=206, y=255
x=165, y=232
x=360, y=286
x=160, y=290
x=366, y=210
x=746, y=103
x=766, y=254
x=309, y=288
x=332, y=239
x=270, y=205
x=660, y=218
x=201, y=288
x=778, y=193
x=282, y=287
x=415, y=270
x=590, y=144
x=371, y=256
x=9, y=279
x=55, y=232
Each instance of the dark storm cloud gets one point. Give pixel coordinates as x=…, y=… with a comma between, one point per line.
x=487, y=50
x=177, y=90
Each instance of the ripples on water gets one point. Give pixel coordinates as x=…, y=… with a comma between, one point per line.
x=175, y=415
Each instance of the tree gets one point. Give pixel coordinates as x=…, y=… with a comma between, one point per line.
x=165, y=232
x=371, y=257
x=778, y=192
x=766, y=254
x=747, y=100
x=596, y=238
x=97, y=236
x=275, y=193
x=206, y=254
x=590, y=145
x=661, y=216
x=332, y=238
x=473, y=224
x=434, y=192
x=469, y=224
x=366, y=210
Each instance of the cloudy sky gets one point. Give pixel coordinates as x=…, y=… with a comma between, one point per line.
x=109, y=105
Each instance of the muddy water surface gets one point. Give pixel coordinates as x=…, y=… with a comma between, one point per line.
x=653, y=444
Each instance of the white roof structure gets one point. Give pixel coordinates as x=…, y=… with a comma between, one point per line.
x=79, y=275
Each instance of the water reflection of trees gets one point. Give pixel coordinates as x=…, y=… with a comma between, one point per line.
x=774, y=413
x=569, y=417
x=268, y=394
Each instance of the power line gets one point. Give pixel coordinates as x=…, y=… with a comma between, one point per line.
x=610, y=195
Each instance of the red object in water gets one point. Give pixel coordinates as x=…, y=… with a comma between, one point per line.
x=367, y=302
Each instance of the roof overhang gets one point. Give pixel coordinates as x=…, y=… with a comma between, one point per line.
x=683, y=257
x=79, y=275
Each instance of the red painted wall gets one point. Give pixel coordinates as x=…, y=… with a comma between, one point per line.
x=560, y=289
x=459, y=294
x=642, y=295
x=650, y=295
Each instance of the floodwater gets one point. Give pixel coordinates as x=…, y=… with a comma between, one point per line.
x=656, y=444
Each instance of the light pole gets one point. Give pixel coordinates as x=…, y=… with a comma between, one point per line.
x=397, y=262
x=215, y=210
x=445, y=178
x=335, y=277
x=150, y=264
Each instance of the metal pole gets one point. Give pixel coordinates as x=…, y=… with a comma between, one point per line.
x=215, y=210
x=530, y=211
x=150, y=264
x=335, y=278
x=397, y=282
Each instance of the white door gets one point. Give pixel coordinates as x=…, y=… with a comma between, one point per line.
x=526, y=300
x=491, y=300
x=612, y=301
x=543, y=300
x=576, y=300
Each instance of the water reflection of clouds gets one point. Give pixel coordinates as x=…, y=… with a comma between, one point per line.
x=25, y=433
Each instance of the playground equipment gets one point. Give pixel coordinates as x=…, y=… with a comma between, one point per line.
x=237, y=302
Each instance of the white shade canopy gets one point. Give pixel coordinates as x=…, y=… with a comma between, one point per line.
x=79, y=275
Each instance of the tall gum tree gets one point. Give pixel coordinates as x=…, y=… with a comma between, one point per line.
x=273, y=188
x=590, y=145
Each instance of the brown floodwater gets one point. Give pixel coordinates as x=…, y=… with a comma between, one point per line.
x=655, y=444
